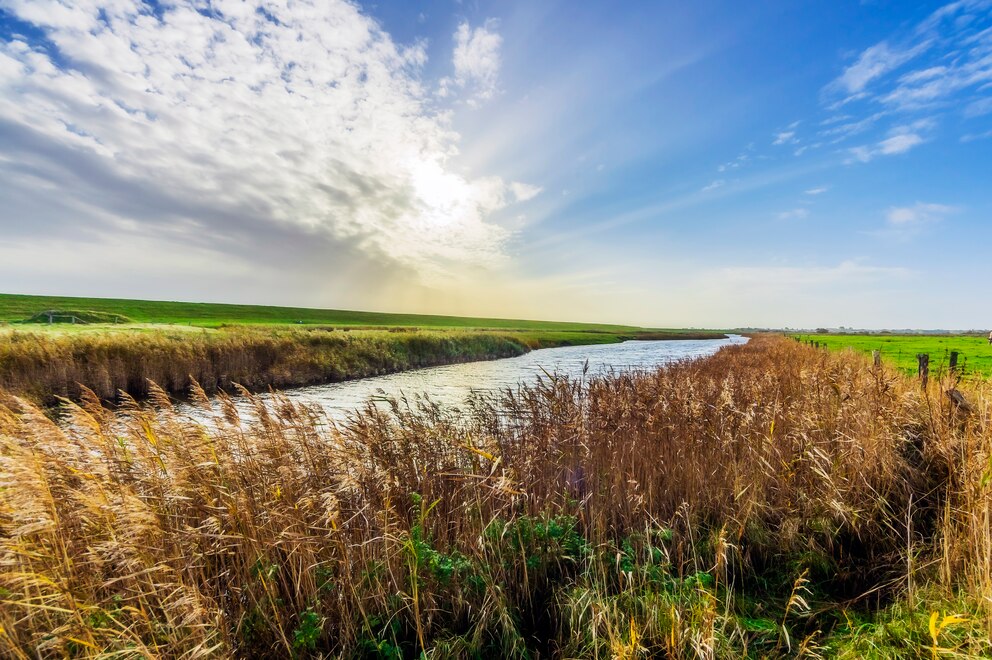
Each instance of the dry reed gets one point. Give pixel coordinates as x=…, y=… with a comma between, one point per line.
x=717, y=508
x=45, y=365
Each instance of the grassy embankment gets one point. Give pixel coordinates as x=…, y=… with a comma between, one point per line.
x=771, y=501
x=213, y=315
x=975, y=353
x=254, y=346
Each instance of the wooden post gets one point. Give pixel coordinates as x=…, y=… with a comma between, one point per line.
x=953, y=362
x=876, y=358
x=923, y=370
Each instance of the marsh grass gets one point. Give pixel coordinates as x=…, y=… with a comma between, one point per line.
x=43, y=366
x=770, y=501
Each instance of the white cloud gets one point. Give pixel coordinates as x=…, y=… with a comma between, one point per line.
x=524, y=191
x=902, y=139
x=817, y=191
x=719, y=183
x=785, y=137
x=248, y=127
x=899, y=144
x=905, y=222
x=476, y=60
x=919, y=214
x=873, y=63
x=794, y=214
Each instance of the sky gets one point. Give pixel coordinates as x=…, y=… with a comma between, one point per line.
x=704, y=164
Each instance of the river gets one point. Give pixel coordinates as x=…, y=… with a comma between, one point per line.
x=451, y=385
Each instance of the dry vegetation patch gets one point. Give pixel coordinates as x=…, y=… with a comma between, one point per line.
x=44, y=366
x=773, y=500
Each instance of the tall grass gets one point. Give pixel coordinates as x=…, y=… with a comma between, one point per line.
x=44, y=365
x=773, y=500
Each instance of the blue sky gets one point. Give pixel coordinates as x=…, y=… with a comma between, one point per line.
x=660, y=163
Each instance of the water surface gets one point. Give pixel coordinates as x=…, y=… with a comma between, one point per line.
x=451, y=385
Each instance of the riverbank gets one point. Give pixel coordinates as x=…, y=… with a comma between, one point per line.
x=771, y=501
x=44, y=363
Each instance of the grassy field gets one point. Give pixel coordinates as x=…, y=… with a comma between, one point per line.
x=975, y=353
x=796, y=503
x=15, y=308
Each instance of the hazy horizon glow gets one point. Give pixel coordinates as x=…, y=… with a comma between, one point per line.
x=653, y=164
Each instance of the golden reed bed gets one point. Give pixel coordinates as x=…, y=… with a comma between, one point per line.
x=773, y=500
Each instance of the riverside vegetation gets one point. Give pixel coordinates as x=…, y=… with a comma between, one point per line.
x=773, y=500
x=46, y=365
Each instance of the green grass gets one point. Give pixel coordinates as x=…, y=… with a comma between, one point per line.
x=15, y=308
x=975, y=353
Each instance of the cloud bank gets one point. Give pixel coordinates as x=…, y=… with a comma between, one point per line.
x=243, y=129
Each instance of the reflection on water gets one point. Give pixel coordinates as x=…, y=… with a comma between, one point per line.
x=452, y=384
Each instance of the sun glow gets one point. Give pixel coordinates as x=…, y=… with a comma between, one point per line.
x=445, y=197
x=450, y=215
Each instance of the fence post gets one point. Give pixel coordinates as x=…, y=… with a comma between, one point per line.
x=923, y=370
x=953, y=362
x=876, y=358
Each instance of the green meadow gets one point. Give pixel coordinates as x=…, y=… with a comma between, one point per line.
x=16, y=308
x=974, y=352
